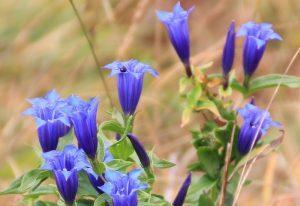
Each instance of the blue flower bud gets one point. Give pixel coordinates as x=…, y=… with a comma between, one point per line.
x=130, y=76
x=256, y=123
x=179, y=200
x=123, y=188
x=228, y=50
x=51, y=119
x=256, y=38
x=84, y=118
x=140, y=150
x=176, y=23
x=65, y=166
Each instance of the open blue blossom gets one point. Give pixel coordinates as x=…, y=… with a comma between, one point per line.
x=228, y=51
x=51, y=119
x=130, y=76
x=123, y=188
x=179, y=200
x=84, y=119
x=140, y=150
x=176, y=23
x=256, y=38
x=256, y=123
x=65, y=166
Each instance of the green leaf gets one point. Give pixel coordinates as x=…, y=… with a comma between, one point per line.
x=119, y=164
x=206, y=104
x=118, y=116
x=198, y=187
x=204, y=200
x=122, y=149
x=113, y=126
x=272, y=80
x=102, y=200
x=209, y=160
x=42, y=190
x=223, y=134
x=186, y=116
x=184, y=82
x=234, y=84
x=161, y=163
x=44, y=203
x=146, y=199
x=27, y=182
x=194, y=95
x=84, y=202
x=85, y=188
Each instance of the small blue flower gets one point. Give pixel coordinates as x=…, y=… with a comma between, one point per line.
x=51, y=119
x=254, y=119
x=257, y=36
x=65, y=166
x=228, y=51
x=84, y=119
x=123, y=188
x=130, y=76
x=179, y=200
x=140, y=150
x=176, y=23
x=96, y=181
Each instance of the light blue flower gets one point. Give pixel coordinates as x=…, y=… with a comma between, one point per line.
x=50, y=114
x=123, y=188
x=130, y=76
x=176, y=23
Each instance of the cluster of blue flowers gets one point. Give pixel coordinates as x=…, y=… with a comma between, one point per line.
x=55, y=117
x=256, y=36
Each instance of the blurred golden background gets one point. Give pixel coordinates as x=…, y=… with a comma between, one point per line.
x=42, y=47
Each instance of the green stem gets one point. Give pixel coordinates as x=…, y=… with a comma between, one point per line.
x=246, y=81
x=129, y=125
x=91, y=46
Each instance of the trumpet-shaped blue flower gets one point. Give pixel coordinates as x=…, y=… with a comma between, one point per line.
x=130, y=76
x=256, y=123
x=228, y=51
x=179, y=200
x=84, y=119
x=123, y=188
x=51, y=119
x=65, y=166
x=176, y=23
x=256, y=38
x=140, y=150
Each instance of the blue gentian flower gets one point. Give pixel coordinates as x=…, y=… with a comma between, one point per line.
x=84, y=119
x=130, y=76
x=256, y=38
x=51, y=119
x=140, y=150
x=65, y=166
x=249, y=134
x=179, y=200
x=228, y=51
x=123, y=188
x=176, y=23
x=96, y=181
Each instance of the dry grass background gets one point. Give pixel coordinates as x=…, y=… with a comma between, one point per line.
x=42, y=47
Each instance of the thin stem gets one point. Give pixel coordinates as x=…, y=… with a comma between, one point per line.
x=227, y=163
x=91, y=46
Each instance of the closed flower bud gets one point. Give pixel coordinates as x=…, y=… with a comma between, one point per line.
x=140, y=150
x=228, y=50
x=179, y=200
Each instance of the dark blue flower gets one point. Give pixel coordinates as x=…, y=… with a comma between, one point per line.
x=65, y=166
x=176, y=23
x=140, y=150
x=256, y=38
x=84, y=119
x=97, y=181
x=256, y=123
x=179, y=200
x=228, y=51
x=123, y=188
x=130, y=76
x=51, y=119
